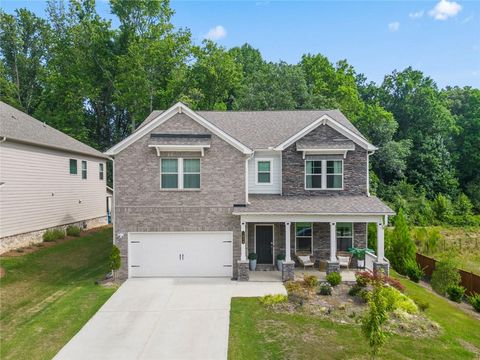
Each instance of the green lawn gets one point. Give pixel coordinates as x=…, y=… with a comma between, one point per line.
x=48, y=295
x=259, y=333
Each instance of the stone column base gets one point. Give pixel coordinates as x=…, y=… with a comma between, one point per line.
x=243, y=274
x=288, y=272
x=381, y=266
x=333, y=266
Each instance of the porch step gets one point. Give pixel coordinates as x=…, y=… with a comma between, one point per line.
x=264, y=267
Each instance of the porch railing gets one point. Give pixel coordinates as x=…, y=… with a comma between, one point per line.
x=370, y=258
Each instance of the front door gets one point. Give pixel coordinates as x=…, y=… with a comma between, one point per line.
x=264, y=240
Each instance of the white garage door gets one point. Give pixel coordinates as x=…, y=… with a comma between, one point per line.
x=180, y=254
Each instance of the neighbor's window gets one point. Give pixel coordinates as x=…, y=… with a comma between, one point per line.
x=303, y=238
x=191, y=173
x=264, y=172
x=334, y=174
x=313, y=174
x=73, y=166
x=180, y=173
x=84, y=169
x=100, y=171
x=169, y=174
x=344, y=236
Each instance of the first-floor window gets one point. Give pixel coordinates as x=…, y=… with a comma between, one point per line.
x=344, y=236
x=73, y=166
x=100, y=171
x=84, y=169
x=303, y=238
x=180, y=173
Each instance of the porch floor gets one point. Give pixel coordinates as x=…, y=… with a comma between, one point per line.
x=348, y=275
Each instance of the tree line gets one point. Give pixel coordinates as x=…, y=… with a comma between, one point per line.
x=74, y=70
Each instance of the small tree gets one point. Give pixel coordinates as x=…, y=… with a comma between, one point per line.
x=442, y=208
x=372, y=322
x=401, y=248
x=445, y=275
x=114, y=260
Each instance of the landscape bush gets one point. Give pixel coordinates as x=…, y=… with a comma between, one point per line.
x=114, y=260
x=355, y=289
x=310, y=281
x=366, y=277
x=334, y=278
x=73, y=230
x=474, y=300
x=362, y=278
x=273, y=299
x=325, y=288
x=401, y=248
x=445, y=275
x=413, y=270
x=455, y=293
x=53, y=235
x=421, y=303
x=396, y=300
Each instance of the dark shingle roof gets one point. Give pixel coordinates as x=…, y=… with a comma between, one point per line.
x=264, y=129
x=345, y=204
x=19, y=126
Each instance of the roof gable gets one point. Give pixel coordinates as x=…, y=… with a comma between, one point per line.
x=157, y=120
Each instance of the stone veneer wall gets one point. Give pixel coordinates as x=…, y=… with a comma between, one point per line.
x=354, y=167
x=18, y=241
x=140, y=204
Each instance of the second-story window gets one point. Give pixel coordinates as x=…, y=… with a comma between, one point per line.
x=323, y=174
x=264, y=172
x=84, y=169
x=180, y=173
x=100, y=171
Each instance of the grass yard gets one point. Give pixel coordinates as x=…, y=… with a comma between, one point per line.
x=257, y=332
x=461, y=242
x=48, y=295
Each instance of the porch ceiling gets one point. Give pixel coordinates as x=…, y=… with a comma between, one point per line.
x=313, y=205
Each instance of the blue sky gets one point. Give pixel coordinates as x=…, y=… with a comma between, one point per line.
x=441, y=38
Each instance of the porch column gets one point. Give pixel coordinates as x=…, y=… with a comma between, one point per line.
x=333, y=242
x=243, y=251
x=287, y=242
x=380, y=243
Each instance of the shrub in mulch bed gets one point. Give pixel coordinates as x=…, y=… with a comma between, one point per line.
x=365, y=277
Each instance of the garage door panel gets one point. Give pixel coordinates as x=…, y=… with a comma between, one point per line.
x=180, y=254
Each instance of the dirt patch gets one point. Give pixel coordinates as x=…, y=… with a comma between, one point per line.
x=33, y=248
x=2, y=272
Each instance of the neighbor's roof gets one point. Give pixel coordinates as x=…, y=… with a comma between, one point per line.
x=264, y=129
x=278, y=204
x=19, y=126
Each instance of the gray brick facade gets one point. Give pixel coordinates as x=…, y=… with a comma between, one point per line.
x=140, y=204
x=354, y=167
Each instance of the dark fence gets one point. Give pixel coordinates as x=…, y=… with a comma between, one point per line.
x=469, y=280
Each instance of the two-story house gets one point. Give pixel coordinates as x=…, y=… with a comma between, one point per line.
x=196, y=191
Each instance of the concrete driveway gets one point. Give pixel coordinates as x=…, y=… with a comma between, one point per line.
x=158, y=318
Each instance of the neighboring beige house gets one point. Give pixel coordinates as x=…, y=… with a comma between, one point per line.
x=47, y=179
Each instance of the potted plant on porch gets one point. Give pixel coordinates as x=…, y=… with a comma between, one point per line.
x=280, y=259
x=252, y=257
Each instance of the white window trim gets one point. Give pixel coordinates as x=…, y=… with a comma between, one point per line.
x=346, y=237
x=101, y=172
x=180, y=174
x=86, y=170
x=270, y=160
x=304, y=237
x=324, y=175
x=255, y=239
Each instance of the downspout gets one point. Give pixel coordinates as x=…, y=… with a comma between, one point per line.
x=4, y=138
x=246, y=176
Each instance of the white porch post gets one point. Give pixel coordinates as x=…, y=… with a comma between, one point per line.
x=333, y=242
x=243, y=251
x=287, y=242
x=380, y=243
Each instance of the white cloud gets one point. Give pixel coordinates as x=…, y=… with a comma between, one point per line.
x=394, y=26
x=216, y=33
x=416, y=15
x=445, y=9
